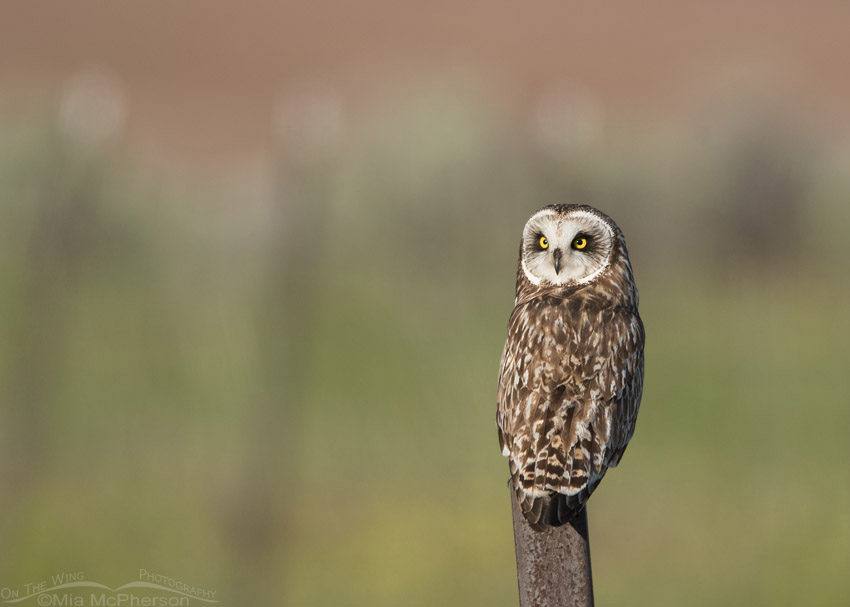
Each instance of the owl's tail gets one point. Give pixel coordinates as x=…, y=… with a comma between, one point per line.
x=552, y=509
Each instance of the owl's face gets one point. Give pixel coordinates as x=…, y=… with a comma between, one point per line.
x=564, y=245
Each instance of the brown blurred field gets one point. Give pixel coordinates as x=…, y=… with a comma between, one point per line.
x=202, y=78
x=256, y=265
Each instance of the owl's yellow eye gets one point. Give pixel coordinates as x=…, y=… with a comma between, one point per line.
x=544, y=243
x=580, y=242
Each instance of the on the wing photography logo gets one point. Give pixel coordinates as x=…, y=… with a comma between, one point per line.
x=74, y=589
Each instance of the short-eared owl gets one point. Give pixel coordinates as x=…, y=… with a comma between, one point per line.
x=571, y=375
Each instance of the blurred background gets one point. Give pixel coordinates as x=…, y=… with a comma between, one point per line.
x=257, y=261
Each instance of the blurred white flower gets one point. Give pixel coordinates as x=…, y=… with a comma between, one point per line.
x=93, y=107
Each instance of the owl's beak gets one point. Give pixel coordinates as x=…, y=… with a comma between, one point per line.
x=557, y=255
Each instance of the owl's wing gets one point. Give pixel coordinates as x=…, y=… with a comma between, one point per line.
x=569, y=391
x=626, y=374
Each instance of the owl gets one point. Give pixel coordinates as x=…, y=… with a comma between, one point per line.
x=571, y=374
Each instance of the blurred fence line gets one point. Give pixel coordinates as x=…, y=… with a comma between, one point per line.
x=269, y=405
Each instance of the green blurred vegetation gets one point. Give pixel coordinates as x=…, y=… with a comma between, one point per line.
x=290, y=397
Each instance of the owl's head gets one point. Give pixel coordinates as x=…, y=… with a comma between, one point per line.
x=567, y=244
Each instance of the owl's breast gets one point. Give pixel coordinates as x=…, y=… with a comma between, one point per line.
x=586, y=351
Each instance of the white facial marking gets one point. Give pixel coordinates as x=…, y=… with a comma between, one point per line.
x=575, y=266
x=531, y=277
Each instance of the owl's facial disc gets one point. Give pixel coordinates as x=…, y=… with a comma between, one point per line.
x=565, y=248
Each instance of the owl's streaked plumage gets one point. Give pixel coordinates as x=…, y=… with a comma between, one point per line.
x=571, y=375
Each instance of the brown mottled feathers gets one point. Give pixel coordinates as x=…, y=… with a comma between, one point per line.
x=570, y=383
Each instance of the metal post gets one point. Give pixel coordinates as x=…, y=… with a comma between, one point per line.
x=553, y=566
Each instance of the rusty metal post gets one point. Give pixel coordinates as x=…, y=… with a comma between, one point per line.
x=553, y=566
